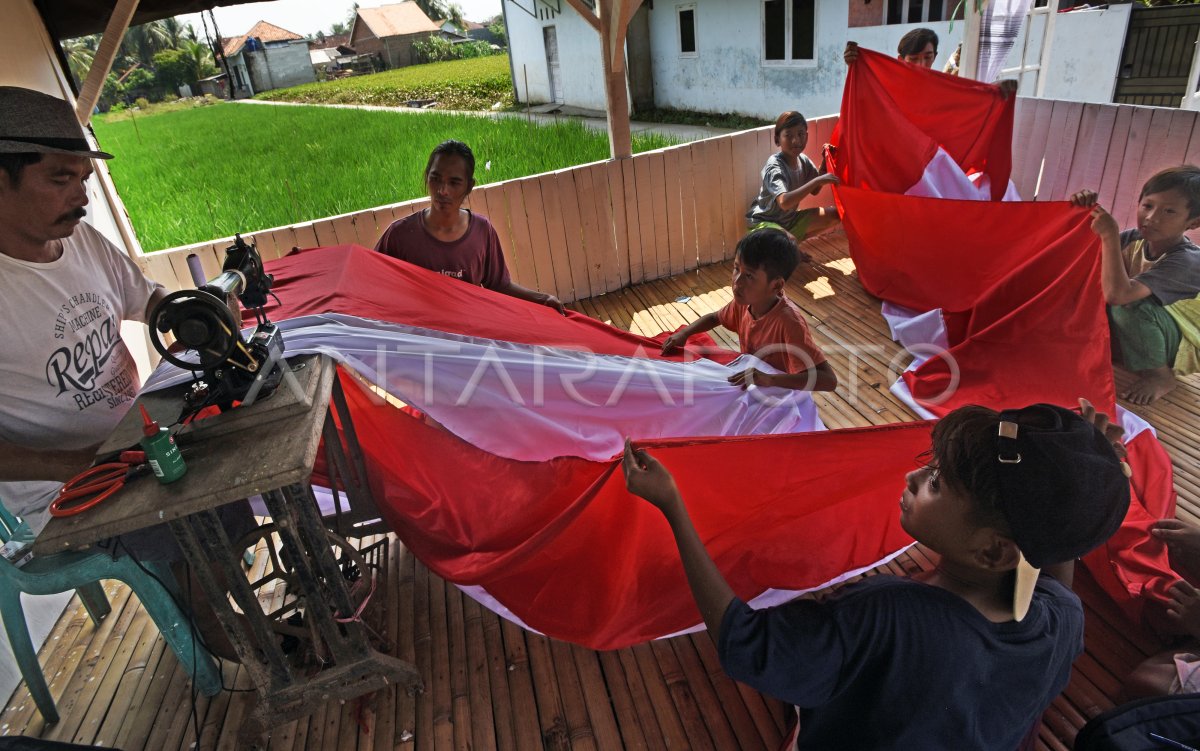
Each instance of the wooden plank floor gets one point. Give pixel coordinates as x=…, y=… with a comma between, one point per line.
x=491, y=685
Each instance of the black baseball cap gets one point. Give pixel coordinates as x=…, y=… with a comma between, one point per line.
x=1063, y=489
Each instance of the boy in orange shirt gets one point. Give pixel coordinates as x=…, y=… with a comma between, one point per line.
x=768, y=325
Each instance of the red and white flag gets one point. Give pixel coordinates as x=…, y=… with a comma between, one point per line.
x=1000, y=301
x=516, y=494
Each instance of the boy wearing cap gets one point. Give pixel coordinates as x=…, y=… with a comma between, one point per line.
x=965, y=656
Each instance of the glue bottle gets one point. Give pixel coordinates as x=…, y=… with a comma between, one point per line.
x=161, y=452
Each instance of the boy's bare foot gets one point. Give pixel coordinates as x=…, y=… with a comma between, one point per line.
x=1150, y=386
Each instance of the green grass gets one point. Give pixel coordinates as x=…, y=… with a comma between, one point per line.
x=473, y=84
x=709, y=119
x=199, y=174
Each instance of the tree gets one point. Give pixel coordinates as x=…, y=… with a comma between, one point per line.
x=339, y=28
x=141, y=42
x=174, y=32
x=137, y=82
x=200, y=59
x=496, y=28
x=80, y=53
x=172, y=69
x=440, y=10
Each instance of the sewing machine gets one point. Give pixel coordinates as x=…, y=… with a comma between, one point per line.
x=206, y=321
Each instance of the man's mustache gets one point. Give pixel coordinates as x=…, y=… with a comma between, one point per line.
x=72, y=215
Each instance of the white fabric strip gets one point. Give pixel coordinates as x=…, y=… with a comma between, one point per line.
x=768, y=599
x=924, y=334
x=943, y=178
x=535, y=403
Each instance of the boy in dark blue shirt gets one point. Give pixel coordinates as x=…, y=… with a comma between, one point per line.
x=968, y=655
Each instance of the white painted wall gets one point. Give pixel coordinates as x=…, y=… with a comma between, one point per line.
x=727, y=73
x=1085, y=54
x=580, y=64
x=27, y=59
x=1191, y=99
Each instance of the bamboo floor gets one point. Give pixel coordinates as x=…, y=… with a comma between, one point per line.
x=491, y=685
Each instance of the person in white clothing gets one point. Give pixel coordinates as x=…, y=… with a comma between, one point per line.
x=67, y=376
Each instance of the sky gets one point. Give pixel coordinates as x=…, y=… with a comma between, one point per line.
x=307, y=17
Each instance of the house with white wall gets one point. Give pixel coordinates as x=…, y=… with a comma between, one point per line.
x=267, y=57
x=759, y=57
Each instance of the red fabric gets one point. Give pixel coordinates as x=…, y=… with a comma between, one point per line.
x=913, y=111
x=1132, y=566
x=353, y=280
x=1019, y=287
x=1018, y=283
x=561, y=543
x=571, y=553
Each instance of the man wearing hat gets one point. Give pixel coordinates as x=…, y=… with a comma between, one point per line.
x=968, y=655
x=68, y=377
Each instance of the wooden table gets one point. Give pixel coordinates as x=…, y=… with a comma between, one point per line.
x=265, y=449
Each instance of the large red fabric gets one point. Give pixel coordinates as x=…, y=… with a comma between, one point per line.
x=568, y=550
x=561, y=543
x=1018, y=283
x=914, y=110
x=356, y=281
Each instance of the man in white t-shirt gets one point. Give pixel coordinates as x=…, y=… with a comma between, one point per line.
x=66, y=376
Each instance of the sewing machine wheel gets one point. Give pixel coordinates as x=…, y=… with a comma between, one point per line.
x=201, y=322
x=278, y=589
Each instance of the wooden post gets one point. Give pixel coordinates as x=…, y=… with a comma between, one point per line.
x=102, y=62
x=969, y=60
x=611, y=24
x=616, y=95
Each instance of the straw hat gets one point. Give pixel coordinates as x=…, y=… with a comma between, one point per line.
x=31, y=121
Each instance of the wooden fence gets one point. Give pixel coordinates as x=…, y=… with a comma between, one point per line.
x=596, y=228
x=1061, y=147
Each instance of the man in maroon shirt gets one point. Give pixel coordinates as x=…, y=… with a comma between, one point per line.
x=450, y=239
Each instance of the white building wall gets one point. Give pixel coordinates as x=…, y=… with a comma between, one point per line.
x=727, y=73
x=580, y=64
x=1085, y=54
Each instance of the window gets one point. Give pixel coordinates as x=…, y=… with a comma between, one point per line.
x=687, y=29
x=789, y=31
x=922, y=11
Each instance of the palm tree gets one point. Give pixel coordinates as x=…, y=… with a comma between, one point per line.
x=79, y=53
x=440, y=10
x=200, y=56
x=141, y=42
x=174, y=32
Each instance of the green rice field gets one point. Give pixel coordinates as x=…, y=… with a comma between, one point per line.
x=474, y=84
x=195, y=175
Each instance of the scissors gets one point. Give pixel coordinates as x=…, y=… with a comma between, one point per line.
x=97, y=483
